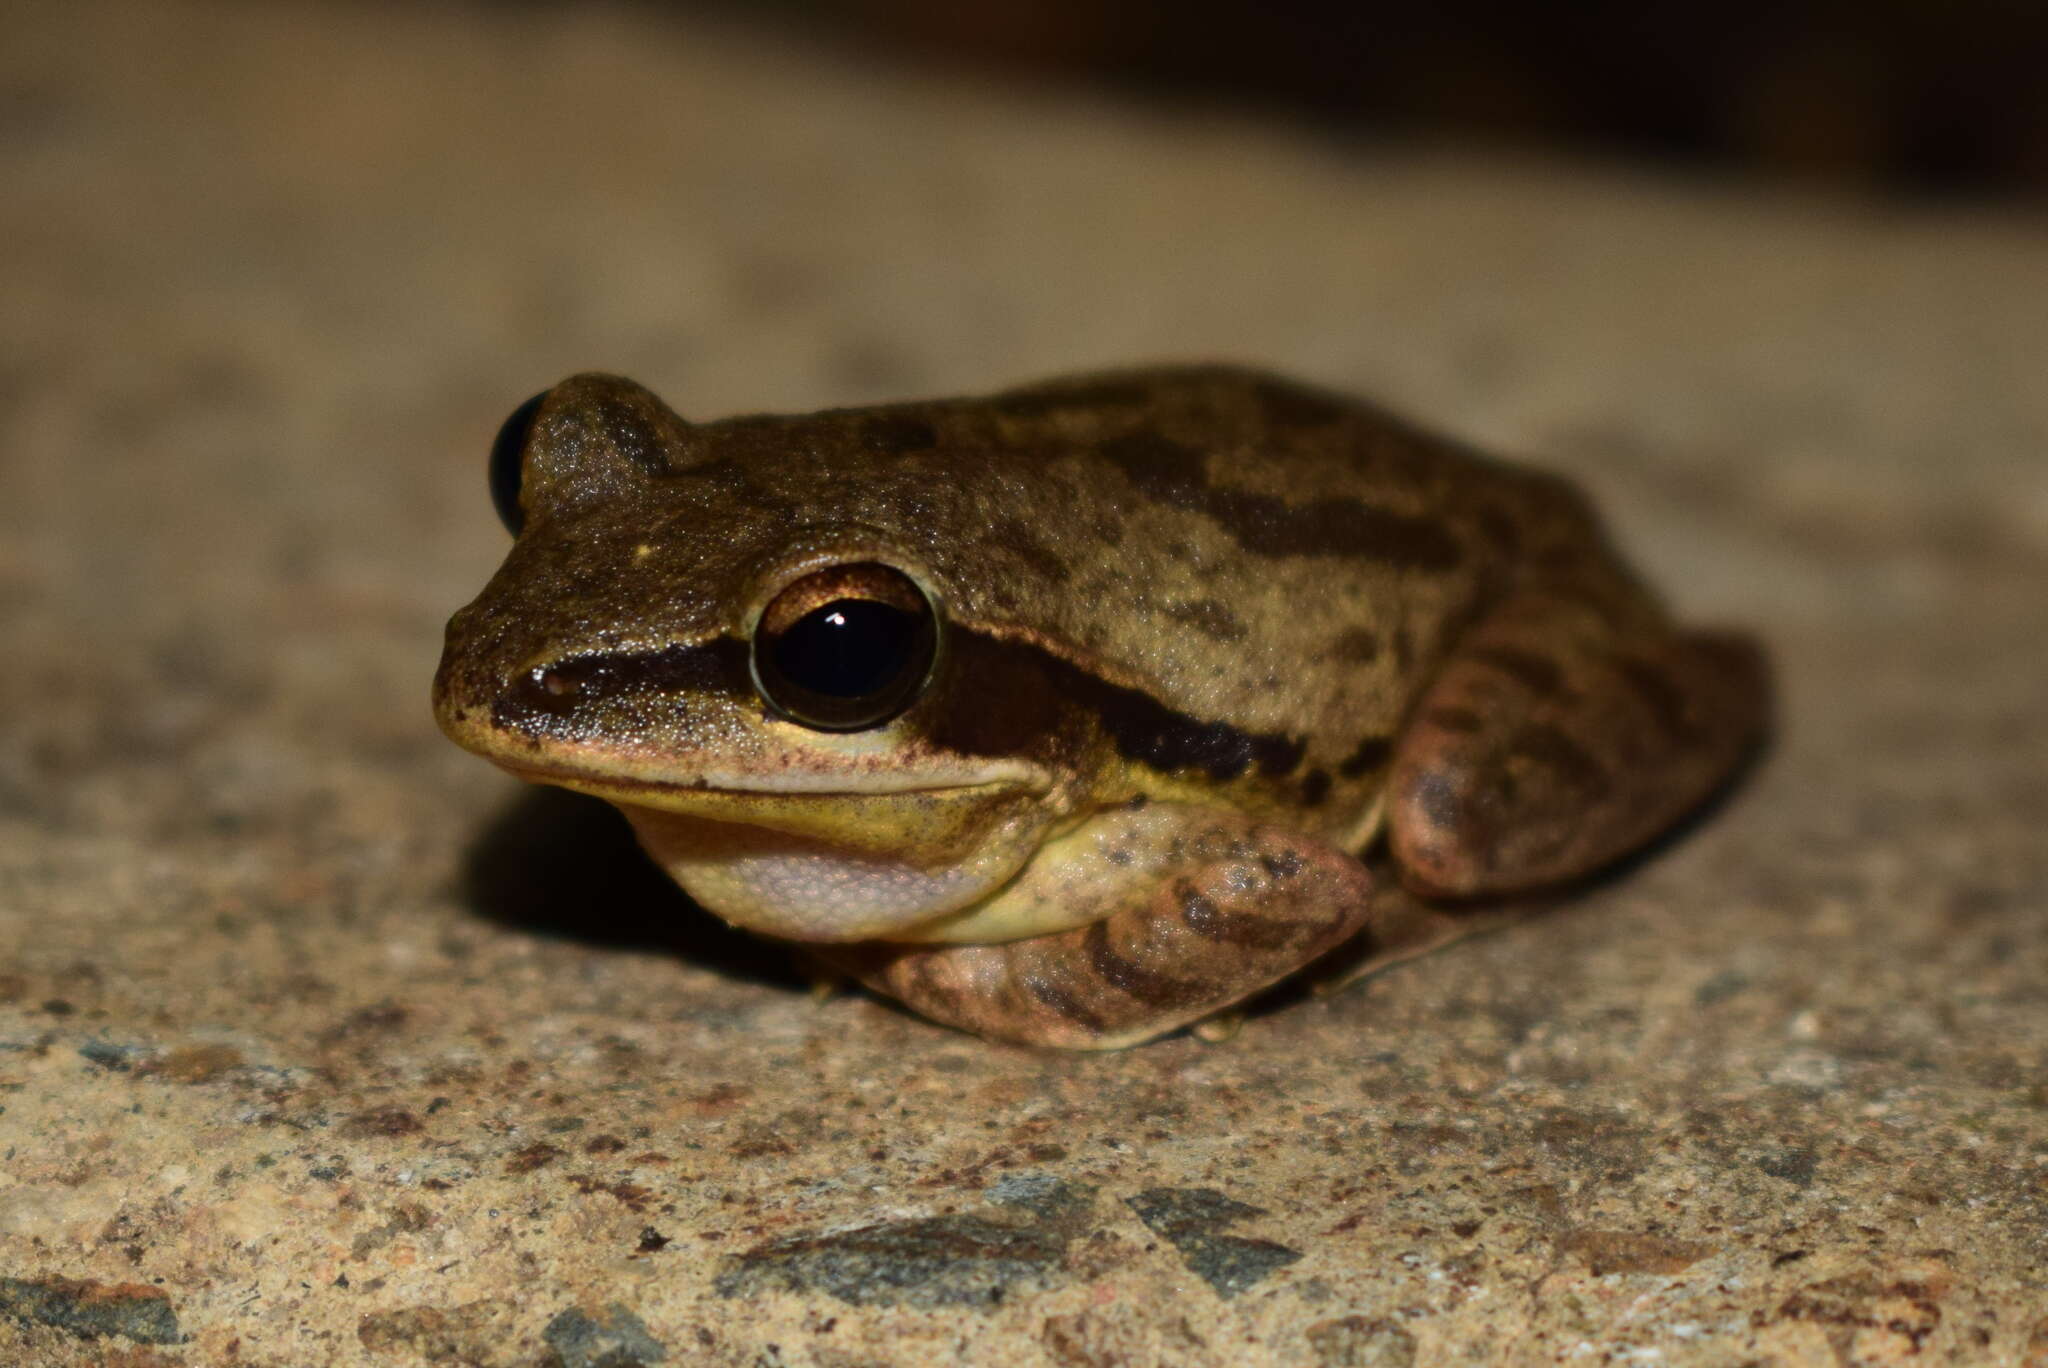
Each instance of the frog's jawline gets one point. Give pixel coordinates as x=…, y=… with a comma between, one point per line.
x=615, y=787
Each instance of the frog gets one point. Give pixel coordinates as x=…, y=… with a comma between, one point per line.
x=1081, y=712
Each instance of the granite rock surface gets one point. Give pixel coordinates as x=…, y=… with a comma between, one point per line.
x=321, y=1043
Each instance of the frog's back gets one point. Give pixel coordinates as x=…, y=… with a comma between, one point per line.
x=1242, y=546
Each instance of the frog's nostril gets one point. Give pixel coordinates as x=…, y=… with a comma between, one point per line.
x=558, y=683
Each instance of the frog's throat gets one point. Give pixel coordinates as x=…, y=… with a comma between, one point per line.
x=837, y=867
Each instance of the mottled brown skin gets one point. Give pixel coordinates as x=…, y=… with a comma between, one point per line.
x=1234, y=671
x=1248, y=905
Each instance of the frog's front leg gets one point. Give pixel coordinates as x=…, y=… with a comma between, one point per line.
x=1191, y=910
x=1562, y=734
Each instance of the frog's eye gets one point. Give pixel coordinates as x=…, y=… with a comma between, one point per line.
x=846, y=648
x=508, y=453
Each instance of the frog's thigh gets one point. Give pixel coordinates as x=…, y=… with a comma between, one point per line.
x=1201, y=909
x=1553, y=743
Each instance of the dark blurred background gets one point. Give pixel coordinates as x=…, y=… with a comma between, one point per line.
x=1919, y=96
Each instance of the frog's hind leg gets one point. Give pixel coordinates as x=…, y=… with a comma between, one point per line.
x=1200, y=910
x=1555, y=741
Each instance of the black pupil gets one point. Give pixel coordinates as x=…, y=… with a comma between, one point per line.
x=849, y=648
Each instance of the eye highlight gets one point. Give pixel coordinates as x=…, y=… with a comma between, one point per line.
x=508, y=452
x=845, y=648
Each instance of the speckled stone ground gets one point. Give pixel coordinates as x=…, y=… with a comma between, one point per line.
x=322, y=1044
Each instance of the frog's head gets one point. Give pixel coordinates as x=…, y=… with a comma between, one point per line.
x=736, y=633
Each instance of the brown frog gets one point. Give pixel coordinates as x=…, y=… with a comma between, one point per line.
x=1082, y=712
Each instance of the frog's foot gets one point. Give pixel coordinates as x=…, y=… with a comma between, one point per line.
x=1207, y=909
x=1220, y=1029
x=1556, y=741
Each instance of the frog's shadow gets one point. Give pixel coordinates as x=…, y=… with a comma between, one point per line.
x=556, y=863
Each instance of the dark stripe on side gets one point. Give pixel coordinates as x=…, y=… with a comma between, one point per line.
x=1140, y=727
x=1146, y=731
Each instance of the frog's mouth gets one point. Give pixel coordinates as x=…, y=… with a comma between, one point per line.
x=711, y=785
x=794, y=799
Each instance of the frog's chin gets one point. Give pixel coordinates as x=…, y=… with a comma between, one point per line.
x=801, y=880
